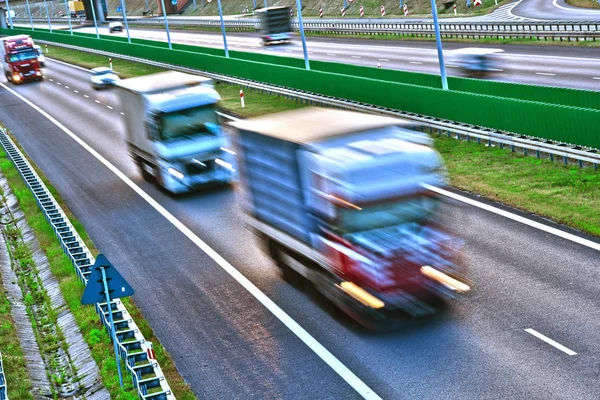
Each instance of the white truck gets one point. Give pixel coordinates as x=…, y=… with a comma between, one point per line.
x=173, y=131
x=342, y=199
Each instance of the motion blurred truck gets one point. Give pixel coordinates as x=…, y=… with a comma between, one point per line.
x=275, y=25
x=173, y=131
x=342, y=199
x=20, y=59
x=76, y=9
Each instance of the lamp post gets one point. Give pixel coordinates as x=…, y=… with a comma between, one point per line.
x=438, y=40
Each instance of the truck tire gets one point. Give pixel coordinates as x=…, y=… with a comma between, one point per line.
x=288, y=274
x=145, y=174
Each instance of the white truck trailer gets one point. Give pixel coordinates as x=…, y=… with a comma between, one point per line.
x=341, y=198
x=173, y=131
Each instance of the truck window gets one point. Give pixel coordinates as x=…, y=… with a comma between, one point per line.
x=197, y=121
x=25, y=55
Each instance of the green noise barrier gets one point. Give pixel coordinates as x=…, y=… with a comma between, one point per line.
x=564, y=115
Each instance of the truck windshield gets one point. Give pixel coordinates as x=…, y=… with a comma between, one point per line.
x=387, y=214
x=198, y=121
x=25, y=55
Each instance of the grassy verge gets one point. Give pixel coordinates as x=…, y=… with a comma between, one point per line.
x=72, y=290
x=256, y=103
x=15, y=369
x=583, y=3
x=566, y=194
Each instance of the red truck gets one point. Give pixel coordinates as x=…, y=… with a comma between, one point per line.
x=19, y=59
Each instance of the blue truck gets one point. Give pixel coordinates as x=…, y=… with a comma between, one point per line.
x=341, y=199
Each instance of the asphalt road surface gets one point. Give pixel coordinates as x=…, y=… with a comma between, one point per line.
x=574, y=67
x=228, y=345
x=554, y=10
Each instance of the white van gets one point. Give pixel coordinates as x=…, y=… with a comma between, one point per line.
x=40, y=55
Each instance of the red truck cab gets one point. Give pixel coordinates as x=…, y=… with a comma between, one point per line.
x=19, y=59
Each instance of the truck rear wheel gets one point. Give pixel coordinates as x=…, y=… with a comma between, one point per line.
x=289, y=274
x=147, y=176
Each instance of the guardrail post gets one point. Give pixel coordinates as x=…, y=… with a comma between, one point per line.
x=566, y=160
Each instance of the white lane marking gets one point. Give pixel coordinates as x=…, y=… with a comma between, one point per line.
x=545, y=74
x=496, y=69
x=66, y=87
x=86, y=96
x=97, y=101
x=109, y=107
x=358, y=385
x=122, y=113
x=356, y=56
x=289, y=51
x=76, y=91
x=415, y=62
x=51, y=80
x=550, y=341
x=383, y=59
x=552, y=57
x=58, y=83
x=596, y=77
x=44, y=76
x=518, y=218
x=330, y=54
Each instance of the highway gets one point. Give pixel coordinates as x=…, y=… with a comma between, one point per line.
x=228, y=345
x=554, y=10
x=574, y=67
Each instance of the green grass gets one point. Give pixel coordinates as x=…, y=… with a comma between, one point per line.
x=583, y=3
x=15, y=368
x=256, y=103
x=566, y=194
x=72, y=290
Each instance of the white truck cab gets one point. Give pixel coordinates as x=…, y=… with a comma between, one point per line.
x=173, y=131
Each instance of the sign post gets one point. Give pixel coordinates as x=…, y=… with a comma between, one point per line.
x=104, y=284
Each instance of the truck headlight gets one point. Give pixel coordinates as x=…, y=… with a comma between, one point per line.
x=224, y=164
x=39, y=73
x=175, y=173
x=16, y=78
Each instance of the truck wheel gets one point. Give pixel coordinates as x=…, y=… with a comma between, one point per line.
x=289, y=274
x=147, y=176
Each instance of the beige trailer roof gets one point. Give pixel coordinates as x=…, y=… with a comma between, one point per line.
x=313, y=124
x=156, y=83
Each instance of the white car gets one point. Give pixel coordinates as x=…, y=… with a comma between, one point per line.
x=103, y=77
x=40, y=55
x=115, y=27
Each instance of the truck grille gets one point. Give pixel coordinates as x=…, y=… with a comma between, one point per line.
x=194, y=168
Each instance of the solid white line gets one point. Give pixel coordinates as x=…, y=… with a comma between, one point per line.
x=109, y=107
x=550, y=341
x=97, y=101
x=86, y=96
x=335, y=364
x=515, y=217
x=551, y=57
x=544, y=73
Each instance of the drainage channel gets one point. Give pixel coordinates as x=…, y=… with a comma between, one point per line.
x=146, y=374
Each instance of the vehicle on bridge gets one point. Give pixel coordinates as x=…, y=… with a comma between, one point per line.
x=76, y=9
x=115, y=27
x=342, y=199
x=477, y=63
x=20, y=59
x=275, y=25
x=173, y=131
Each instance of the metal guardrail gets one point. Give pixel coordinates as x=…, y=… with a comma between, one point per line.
x=3, y=389
x=539, y=146
x=555, y=30
x=147, y=376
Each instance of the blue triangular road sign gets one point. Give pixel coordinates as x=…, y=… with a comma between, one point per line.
x=117, y=286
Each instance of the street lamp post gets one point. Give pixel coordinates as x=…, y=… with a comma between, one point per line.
x=30, y=17
x=223, y=29
x=95, y=21
x=438, y=40
x=301, y=25
x=47, y=15
x=69, y=17
x=166, y=24
x=124, y=12
x=10, y=16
